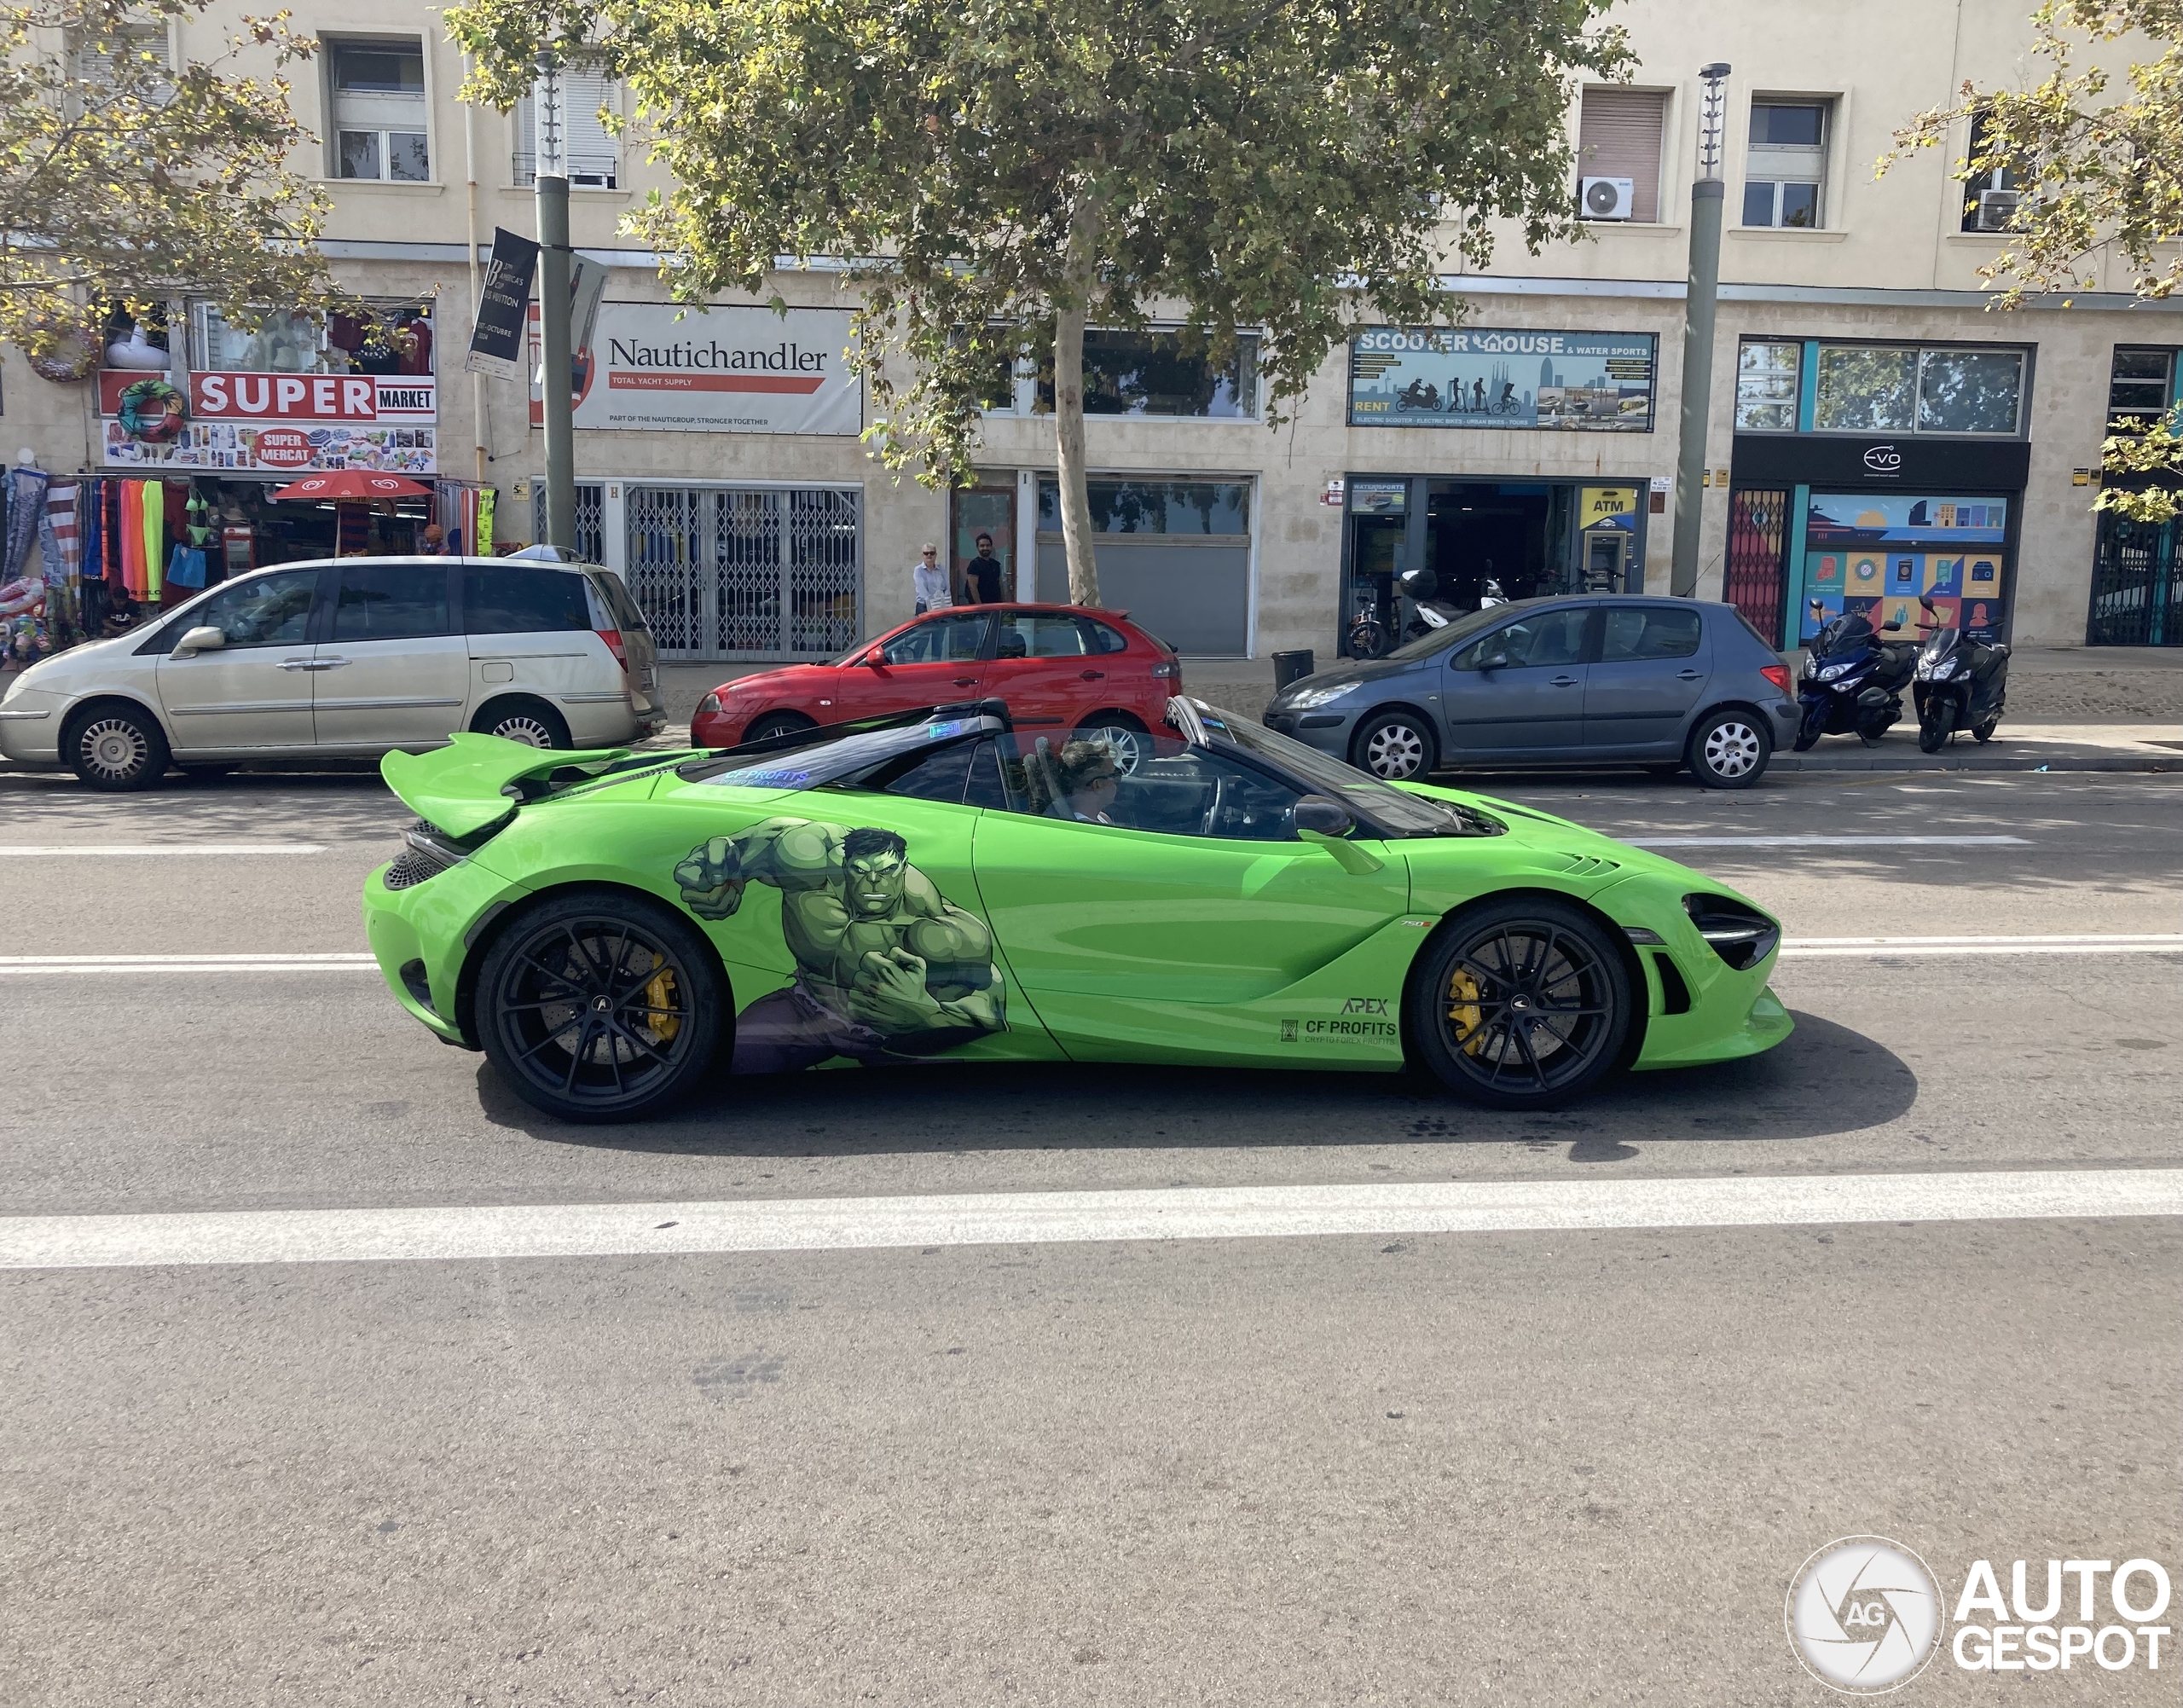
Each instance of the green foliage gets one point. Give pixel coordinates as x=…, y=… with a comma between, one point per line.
x=124, y=183
x=2100, y=165
x=2156, y=453
x=996, y=172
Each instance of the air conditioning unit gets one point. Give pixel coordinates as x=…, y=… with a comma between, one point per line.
x=1996, y=208
x=1609, y=198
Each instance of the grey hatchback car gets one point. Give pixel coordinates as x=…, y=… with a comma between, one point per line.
x=1602, y=679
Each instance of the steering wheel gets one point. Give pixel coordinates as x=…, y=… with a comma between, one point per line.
x=1215, y=808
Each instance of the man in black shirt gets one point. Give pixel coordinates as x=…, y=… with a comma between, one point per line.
x=982, y=575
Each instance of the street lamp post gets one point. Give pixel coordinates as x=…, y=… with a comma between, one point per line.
x=551, y=153
x=1706, y=193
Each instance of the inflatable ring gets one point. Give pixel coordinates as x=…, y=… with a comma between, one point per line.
x=153, y=410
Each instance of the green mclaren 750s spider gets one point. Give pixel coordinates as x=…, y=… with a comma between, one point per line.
x=945, y=885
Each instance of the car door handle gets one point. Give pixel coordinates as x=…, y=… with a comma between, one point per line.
x=296, y=664
x=1563, y=682
x=965, y=681
x=327, y=663
x=1689, y=675
x=1094, y=676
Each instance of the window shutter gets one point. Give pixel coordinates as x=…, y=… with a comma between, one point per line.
x=594, y=157
x=1618, y=136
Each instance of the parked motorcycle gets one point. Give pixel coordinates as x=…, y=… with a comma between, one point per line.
x=1852, y=680
x=1962, y=684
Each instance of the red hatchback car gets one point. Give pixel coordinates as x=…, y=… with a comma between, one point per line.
x=1057, y=664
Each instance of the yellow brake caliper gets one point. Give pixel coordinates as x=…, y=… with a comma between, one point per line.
x=660, y=994
x=1463, y=1009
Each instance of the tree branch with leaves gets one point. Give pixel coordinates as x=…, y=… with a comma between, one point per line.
x=997, y=176
x=126, y=182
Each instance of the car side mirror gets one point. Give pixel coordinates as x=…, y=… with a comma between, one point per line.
x=1324, y=815
x=1497, y=661
x=873, y=660
x=196, y=640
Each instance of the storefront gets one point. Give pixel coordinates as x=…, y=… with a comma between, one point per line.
x=1173, y=552
x=1527, y=539
x=1481, y=533
x=1874, y=525
x=247, y=412
x=1868, y=475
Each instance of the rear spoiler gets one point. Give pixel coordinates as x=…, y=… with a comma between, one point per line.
x=477, y=780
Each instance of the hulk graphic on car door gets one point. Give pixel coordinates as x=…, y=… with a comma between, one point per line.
x=887, y=968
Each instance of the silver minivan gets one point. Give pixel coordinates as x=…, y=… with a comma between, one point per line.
x=354, y=656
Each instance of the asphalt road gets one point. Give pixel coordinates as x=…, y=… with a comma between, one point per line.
x=1572, y=1464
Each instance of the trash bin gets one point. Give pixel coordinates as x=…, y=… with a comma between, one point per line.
x=1291, y=667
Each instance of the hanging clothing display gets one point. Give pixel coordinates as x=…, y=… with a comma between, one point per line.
x=155, y=536
x=25, y=510
x=484, y=548
x=117, y=542
x=91, y=512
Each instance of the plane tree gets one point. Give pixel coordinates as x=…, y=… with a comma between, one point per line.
x=994, y=176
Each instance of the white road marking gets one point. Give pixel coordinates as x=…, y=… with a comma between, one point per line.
x=151, y=850
x=1825, y=842
x=31, y=965
x=547, y=1230
x=2151, y=943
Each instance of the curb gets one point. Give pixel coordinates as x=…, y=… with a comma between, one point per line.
x=1975, y=759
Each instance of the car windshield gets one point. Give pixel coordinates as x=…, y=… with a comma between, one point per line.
x=832, y=758
x=1459, y=629
x=1391, y=808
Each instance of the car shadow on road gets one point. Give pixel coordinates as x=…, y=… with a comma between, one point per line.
x=1826, y=1079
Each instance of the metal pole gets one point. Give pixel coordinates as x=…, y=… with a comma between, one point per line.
x=1706, y=194
x=553, y=310
x=477, y=287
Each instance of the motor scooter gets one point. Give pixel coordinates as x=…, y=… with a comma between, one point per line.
x=1852, y=680
x=1962, y=684
x=1416, y=589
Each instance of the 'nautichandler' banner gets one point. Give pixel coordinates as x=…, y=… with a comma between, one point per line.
x=719, y=370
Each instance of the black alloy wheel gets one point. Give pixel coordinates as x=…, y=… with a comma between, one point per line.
x=116, y=749
x=599, y=1007
x=1521, y=1005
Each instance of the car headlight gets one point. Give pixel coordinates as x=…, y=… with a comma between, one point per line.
x=709, y=703
x=1828, y=673
x=1303, y=699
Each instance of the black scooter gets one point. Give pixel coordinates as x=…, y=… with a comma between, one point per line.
x=1852, y=681
x=1962, y=684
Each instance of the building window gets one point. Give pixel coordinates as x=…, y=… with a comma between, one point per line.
x=1619, y=137
x=1156, y=507
x=1879, y=389
x=398, y=341
x=1786, y=172
x=1766, y=376
x=95, y=64
x=380, y=127
x=2140, y=388
x=1989, y=199
x=594, y=152
x=1157, y=373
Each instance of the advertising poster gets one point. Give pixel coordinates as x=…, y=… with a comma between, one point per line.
x=273, y=423
x=654, y=367
x=1880, y=554
x=497, y=341
x=1488, y=377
